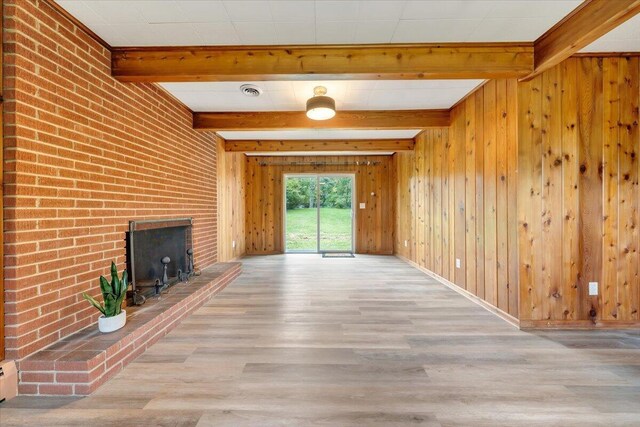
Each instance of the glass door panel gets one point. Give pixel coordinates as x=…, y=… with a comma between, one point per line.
x=336, y=213
x=301, y=217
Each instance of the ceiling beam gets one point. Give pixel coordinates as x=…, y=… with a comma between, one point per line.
x=318, y=62
x=245, y=146
x=346, y=119
x=588, y=22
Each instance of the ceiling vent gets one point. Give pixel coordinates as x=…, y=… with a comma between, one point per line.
x=251, y=90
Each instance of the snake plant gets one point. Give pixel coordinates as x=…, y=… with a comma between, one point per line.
x=113, y=293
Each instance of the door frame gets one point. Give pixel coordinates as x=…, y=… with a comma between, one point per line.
x=317, y=177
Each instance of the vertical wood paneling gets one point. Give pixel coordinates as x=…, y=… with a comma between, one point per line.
x=452, y=203
x=480, y=256
x=490, y=194
x=628, y=285
x=512, y=195
x=551, y=304
x=589, y=212
x=470, y=191
x=460, y=201
x=590, y=141
x=465, y=172
x=431, y=188
x=428, y=229
x=550, y=197
x=436, y=152
x=433, y=213
x=405, y=206
x=374, y=225
x=570, y=191
x=610, y=178
x=421, y=197
x=445, y=231
x=502, y=229
x=231, y=209
x=529, y=200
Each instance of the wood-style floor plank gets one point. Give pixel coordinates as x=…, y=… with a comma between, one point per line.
x=299, y=340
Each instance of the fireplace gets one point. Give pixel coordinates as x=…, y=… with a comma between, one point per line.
x=159, y=255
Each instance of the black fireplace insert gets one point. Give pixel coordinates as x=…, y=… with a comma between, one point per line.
x=159, y=255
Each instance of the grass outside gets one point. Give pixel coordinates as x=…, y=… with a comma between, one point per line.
x=335, y=233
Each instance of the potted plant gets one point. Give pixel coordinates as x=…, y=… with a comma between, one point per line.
x=113, y=316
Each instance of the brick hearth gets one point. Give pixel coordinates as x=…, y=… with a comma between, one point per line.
x=80, y=363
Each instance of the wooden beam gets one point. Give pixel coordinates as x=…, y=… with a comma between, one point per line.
x=588, y=22
x=347, y=119
x=328, y=62
x=319, y=145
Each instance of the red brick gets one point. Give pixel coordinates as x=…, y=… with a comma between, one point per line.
x=55, y=389
x=37, y=377
x=27, y=388
x=85, y=154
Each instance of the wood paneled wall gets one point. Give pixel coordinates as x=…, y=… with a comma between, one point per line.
x=578, y=199
x=405, y=172
x=231, y=210
x=374, y=226
x=456, y=197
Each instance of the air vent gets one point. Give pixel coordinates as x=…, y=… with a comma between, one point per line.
x=251, y=90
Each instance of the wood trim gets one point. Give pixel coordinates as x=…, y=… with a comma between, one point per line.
x=585, y=24
x=319, y=145
x=605, y=54
x=578, y=324
x=348, y=119
x=75, y=21
x=468, y=295
x=334, y=62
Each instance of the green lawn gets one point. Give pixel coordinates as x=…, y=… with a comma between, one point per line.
x=335, y=233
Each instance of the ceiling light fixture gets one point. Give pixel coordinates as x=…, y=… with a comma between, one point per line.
x=321, y=107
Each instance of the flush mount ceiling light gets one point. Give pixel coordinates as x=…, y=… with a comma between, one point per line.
x=320, y=107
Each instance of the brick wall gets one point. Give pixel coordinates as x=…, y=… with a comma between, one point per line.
x=84, y=155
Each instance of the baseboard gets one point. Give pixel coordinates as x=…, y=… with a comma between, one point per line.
x=579, y=324
x=263, y=253
x=471, y=297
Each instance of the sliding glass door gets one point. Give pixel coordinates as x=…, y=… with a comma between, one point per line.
x=301, y=213
x=318, y=213
x=336, y=214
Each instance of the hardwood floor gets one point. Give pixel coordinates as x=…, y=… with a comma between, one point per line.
x=300, y=340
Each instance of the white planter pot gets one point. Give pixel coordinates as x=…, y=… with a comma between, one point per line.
x=110, y=324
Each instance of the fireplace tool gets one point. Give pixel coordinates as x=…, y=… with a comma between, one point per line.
x=161, y=284
x=184, y=276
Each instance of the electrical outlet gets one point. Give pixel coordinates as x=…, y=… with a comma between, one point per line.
x=406, y=243
x=363, y=205
x=233, y=244
x=593, y=288
x=457, y=262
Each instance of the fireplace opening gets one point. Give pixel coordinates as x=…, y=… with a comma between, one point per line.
x=159, y=255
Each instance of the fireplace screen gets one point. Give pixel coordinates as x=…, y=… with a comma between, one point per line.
x=159, y=254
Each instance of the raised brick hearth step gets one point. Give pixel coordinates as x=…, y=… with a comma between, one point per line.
x=80, y=363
